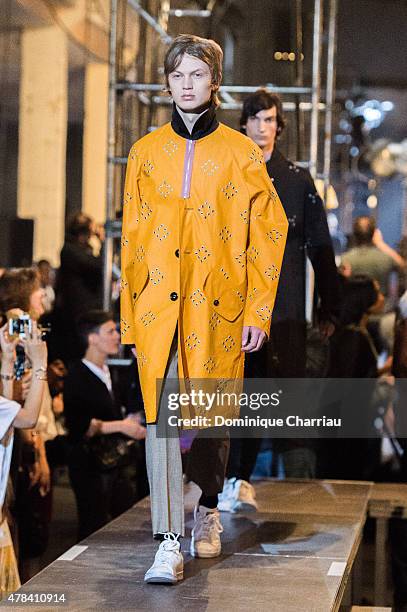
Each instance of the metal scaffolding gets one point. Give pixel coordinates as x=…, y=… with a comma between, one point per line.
x=155, y=23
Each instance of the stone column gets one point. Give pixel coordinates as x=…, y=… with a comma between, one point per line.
x=95, y=141
x=42, y=137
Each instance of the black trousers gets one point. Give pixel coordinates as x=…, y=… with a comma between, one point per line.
x=100, y=496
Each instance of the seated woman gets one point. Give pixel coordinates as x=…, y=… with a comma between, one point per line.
x=13, y=415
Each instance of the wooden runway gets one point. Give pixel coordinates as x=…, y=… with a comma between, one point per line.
x=294, y=555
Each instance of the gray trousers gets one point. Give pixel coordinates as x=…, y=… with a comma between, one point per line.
x=206, y=466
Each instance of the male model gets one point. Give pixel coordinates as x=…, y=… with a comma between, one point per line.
x=203, y=240
x=285, y=355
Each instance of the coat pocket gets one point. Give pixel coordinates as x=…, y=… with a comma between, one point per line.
x=227, y=301
x=137, y=278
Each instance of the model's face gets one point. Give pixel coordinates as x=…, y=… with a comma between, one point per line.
x=262, y=128
x=190, y=84
x=107, y=339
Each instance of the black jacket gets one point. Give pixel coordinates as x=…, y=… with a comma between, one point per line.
x=80, y=280
x=308, y=234
x=86, y=397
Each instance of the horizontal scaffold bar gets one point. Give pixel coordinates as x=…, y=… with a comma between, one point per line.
x=126, y=85
x=189, y=13
x=287, y=106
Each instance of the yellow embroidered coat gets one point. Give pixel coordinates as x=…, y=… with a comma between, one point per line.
x=203, y=240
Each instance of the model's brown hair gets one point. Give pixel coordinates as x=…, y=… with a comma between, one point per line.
x=16, y=288
x=206, y=50
x=262, y=100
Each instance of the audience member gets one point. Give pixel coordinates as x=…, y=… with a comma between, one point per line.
x=371, y=255
x=100, y=468
x=13, y=415
x=308, y=235
x=353, y=356
x=79, y=283
x=21, y=293
x=47, y=278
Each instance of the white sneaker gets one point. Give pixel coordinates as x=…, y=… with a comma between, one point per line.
x=168, y=566
x=205, y=541
x=245, y=497
x=237, y=496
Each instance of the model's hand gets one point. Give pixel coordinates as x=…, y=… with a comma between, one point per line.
x=253, y=338
x=8, y=345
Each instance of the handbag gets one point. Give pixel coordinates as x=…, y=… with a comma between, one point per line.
x=108, y=451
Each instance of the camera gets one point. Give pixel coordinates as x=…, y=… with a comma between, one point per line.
x=19, y=326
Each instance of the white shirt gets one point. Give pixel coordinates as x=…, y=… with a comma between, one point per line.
x=8, y=412
x=102, y=373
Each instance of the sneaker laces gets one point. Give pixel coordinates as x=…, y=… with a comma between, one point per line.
x=168, y=547
x=209, y=523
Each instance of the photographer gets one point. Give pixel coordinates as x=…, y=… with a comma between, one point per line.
x=21, y=293
x=101, y=462
x=79, y=281
x=13, y=415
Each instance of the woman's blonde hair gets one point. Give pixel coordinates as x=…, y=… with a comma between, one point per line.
x=206, y=50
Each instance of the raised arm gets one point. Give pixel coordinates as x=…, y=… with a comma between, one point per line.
x=36, y=350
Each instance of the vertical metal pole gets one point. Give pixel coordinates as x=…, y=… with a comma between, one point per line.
x=316, y=86
x=299, y=78
x=330, y=92
x=316, y=92
x=111, y=151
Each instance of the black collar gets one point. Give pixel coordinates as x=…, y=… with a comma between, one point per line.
x=206, y=124
x=276, y=157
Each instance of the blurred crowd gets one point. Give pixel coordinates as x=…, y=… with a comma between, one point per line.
x=90, y=424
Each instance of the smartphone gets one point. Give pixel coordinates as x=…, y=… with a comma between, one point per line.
x=18, y=327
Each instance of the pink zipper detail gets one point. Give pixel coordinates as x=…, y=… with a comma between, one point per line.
x=188, y=162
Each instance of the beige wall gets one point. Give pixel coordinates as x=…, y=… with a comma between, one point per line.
x=95, y=141
x=42, y=137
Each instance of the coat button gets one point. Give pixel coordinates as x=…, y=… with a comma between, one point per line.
x=177, y=253
x=216, y=302
x=134, y=296
x=174, y=296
